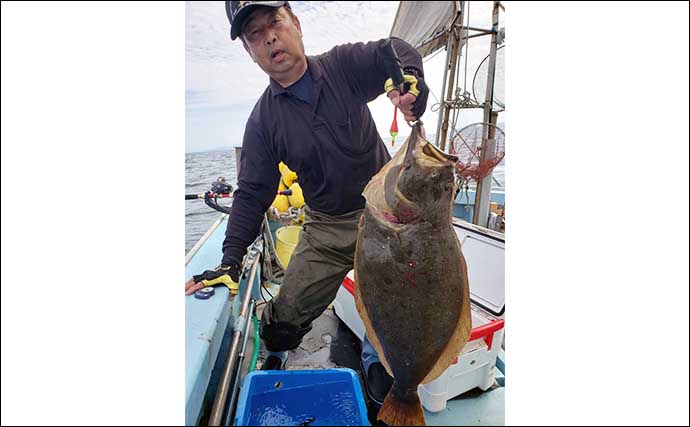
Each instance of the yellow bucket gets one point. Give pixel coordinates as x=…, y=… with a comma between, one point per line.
x=286, y=241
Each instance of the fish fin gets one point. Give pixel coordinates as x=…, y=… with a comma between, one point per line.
x=462, y=330
x=371, y=334
x=402, y=408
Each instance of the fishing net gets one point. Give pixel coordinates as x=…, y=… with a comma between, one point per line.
x=467, y=146
x=481, y=76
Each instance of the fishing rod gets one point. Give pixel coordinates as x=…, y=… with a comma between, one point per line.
x=226, y=195
x=221, y=189
x=209, y=193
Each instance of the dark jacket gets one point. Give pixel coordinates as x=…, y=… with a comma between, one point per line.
x=332, y=144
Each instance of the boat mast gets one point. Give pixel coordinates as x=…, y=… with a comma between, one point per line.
x=488, y=150
x=454, y=51
x=458, y=35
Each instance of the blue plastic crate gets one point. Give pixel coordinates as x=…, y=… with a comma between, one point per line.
x=327, y=397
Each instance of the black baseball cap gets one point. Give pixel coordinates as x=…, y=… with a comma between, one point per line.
x=238, y=11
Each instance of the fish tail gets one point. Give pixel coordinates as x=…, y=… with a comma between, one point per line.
x=402, y=408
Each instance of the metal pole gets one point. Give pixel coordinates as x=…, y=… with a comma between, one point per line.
x=238, y=156
x=482, y=197
x=238, y=371
x=224, y=386
x=480, y=29
x=456, y=44
x=443, y=88
x=476, y=35
x=267, y=268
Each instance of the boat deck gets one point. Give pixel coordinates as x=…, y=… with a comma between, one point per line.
x=329, y=344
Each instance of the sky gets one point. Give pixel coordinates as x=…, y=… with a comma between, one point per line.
x=222, y=83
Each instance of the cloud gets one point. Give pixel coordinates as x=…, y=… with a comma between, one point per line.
x=223, y=83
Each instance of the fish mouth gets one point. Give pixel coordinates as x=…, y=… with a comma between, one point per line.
x=390, y=204
x=425, y=153
x=276, y=53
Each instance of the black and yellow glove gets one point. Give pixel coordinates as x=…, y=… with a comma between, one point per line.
x=227, y=275
x=414, y=84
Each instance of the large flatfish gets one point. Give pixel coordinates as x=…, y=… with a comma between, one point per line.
x=411, y=278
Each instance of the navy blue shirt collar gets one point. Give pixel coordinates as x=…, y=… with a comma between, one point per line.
x=313, y=67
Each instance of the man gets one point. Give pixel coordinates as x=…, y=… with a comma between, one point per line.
x=313, y=116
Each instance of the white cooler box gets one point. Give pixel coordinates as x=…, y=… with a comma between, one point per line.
x=474, y=367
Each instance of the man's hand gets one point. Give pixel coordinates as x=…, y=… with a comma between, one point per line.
x=413, y=103
x=224, y=275
x=404, y=103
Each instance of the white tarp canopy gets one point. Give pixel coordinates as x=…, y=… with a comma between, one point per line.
x=424, y=24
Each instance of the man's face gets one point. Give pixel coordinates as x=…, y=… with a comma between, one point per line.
x=273, y=38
